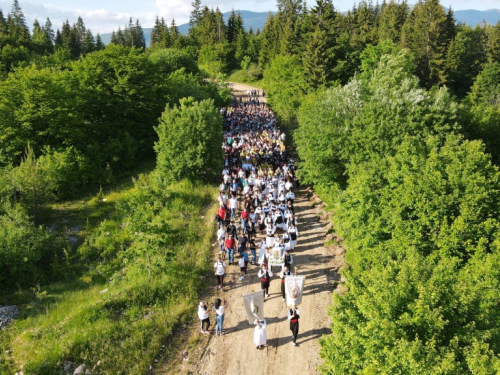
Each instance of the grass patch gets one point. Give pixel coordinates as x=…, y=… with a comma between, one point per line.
x=241, y=76
x=143, y=256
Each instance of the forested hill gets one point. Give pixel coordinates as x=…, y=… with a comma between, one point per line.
x=257, y=20
x=254, y=20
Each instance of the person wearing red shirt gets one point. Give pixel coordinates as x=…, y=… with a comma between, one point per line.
x=230, y=249
x=244, y=218
x=221, y=216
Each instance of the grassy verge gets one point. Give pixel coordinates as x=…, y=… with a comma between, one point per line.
x=145, y=258
x=242, y=76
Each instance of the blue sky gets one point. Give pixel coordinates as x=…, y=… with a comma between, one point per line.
x=105, y=15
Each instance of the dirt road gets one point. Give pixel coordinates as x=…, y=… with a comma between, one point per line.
x=240, y=89
x=234, y=352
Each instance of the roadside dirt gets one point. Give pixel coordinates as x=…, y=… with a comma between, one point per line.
x=234, y=352
x=240, y=89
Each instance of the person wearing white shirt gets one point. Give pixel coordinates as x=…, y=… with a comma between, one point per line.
x=290, y=196
x=283, y=274
x=204, y=318
x=233, y=205
x=220, y=270
x=293, y=233
x=219, y=315
x=265, y=278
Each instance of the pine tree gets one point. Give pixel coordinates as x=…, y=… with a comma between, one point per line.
x=140, y=40
x=69, y=39
x=4, y=28
x=99, y=45
x=17, y=25
x=120, y=37
x=156, y=32
x=220, y=26
x=194, y=21
x=426, y=34
x=316, y=59
x=58, y=40
x=114, y=38
x=231, y=35
x=88, y=43
x=48, y=30
x=493, y=43
x=392, y=19
x=175, y=36
x=40, y=40
x=79, y=30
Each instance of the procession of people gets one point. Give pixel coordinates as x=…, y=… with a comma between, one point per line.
x=256, y=199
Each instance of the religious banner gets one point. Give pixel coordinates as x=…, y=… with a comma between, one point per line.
x=254, y=306
x=294, y=287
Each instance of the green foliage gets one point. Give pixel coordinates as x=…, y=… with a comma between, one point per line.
x=25, y=249
x=284, y=82
x=189, y=141
x=151, y=254
x=417, y=227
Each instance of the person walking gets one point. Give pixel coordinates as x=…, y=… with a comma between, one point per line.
x=265, y=279
x=219, y=315
x=230, y=243
x=288, y=260
x=204, y=318
x=283, y=275
x=259, y=334
x=294, y=316
x=220, y=270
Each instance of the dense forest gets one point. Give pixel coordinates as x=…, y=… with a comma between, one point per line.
x=394, y=113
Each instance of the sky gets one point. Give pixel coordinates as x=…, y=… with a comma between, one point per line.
x=104, y=16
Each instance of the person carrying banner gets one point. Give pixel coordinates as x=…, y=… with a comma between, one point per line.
x=284, y=273
x=294, y=316
x=265, y=279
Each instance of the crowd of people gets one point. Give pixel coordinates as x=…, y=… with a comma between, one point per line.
x=256, y=199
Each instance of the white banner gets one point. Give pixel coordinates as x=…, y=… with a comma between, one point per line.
x=294, y=287
x=254, y=306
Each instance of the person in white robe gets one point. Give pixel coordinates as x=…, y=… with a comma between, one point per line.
x=259, y=334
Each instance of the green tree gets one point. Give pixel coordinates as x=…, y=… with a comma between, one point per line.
x=465, y=58
x=426, y=34
x=392, y=19
x=17, y=26
x=285, y=85
x=189, y=141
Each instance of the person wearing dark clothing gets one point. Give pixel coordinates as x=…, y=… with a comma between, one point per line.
x=294, y=316
x=265, y=279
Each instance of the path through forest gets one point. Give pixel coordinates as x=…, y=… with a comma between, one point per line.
x=234, y=352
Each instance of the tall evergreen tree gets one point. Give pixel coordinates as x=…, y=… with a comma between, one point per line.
x=175, y=36
x=493, y=43
x=140, y=40
x=426, y=34
x=17, y=25
x=88, y=43
x=99, y=45
x=194, y=21
x=316, y=59
x=391, y=21
x=40, y=40
x=69, y=40
x=4, y=28
x=49, y=30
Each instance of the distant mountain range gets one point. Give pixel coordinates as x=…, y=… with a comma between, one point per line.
x=257, y=20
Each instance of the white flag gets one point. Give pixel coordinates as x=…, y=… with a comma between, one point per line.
x=294, y=287
x=254, y=306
